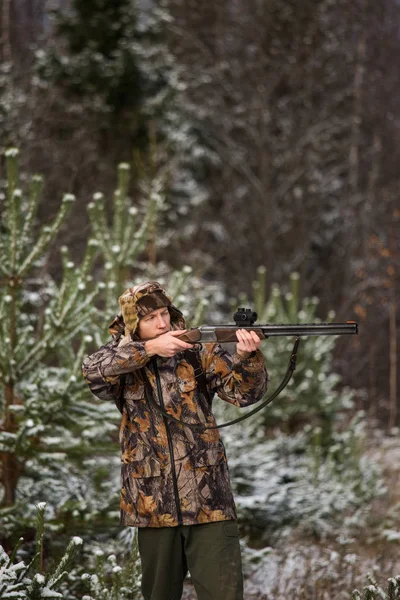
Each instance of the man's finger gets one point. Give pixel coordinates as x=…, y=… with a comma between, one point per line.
x=182, y=344
x=255, y=337
x=178, y=332
x=187, y=346
x=245, y=336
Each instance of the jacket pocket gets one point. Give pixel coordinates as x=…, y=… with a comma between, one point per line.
x=187, y=386
x=212, y=455
x=133, y=392
x=140, y=469
x=185, y=376
x=140, y=493
x=230, y=529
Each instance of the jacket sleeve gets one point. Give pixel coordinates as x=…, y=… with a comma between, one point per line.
x=240, y=381
x=103, y=369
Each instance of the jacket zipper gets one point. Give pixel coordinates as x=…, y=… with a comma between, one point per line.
x=170, y=446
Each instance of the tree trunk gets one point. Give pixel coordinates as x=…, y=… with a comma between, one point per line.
x=5, y=31
x=10, y=466
x=393, y=361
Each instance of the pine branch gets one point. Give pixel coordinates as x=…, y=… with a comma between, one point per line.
x=91, y=252
x=14, y=218
x=155, y=202
x=41, y=508
x=60, y=570
x=13, y=202
x=34, y=356
x=77, y=366
x=98, y=222
x=128, y=233
x=120, y=202
x=178, y=281
x=47, y=235
x=68, y=275
x=61, y=330
x=35, y=193
x=14, y=552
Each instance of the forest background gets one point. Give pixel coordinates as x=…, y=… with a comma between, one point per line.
x=259, y=151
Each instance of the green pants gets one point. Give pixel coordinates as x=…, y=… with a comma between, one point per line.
x=210, y=552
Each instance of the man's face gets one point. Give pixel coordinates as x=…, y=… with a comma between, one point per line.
x=154, y=324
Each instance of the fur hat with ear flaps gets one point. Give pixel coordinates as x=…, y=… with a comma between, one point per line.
x=138, y=301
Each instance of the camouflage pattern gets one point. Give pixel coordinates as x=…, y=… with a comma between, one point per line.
x=170, y=474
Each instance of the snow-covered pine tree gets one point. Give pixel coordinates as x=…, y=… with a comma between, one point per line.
x=49, y=427
x=33, y=581
x=124, y=240
x=298, y=462
x=374, y=591
x=312, y=397
x=129, y=242
x=110, y=579
x=43, y=576
x=57, y=443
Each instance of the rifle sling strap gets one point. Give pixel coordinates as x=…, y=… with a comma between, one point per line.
x=268, y=400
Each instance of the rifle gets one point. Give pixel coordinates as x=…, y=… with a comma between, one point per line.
x=244, y=319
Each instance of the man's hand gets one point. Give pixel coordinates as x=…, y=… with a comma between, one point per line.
x=248, y=342
x=166, y=344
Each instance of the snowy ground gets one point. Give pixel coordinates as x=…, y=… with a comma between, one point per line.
x=327, y=570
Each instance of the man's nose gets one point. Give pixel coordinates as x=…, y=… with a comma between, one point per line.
x=160, y=321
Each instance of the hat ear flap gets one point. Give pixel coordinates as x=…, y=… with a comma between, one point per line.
x=127, y=303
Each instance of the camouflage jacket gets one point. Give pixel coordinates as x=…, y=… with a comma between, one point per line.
x=171, y=474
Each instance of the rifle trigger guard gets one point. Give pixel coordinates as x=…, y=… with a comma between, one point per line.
x=196, y=347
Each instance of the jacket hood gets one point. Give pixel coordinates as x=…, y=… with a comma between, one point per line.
x=139, y=300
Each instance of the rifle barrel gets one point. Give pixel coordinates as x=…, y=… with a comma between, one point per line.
x=227, y=333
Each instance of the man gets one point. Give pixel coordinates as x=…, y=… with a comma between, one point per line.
x=174, y=482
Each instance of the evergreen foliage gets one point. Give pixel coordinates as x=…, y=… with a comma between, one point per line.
x=301, y=162
x=29, y=581
x=43, y=577
x=284, y=484
x=375, y=592
x=49, y=425
x=126, y=77
x=299, y=463
x=112, y=581
x=58, y=444
x=98, y=59
x=125, y=239
x=312, y=399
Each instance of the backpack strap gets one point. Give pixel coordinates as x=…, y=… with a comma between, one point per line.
x=193, y=358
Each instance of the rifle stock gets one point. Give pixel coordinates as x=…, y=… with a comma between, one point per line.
x=227, y=333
